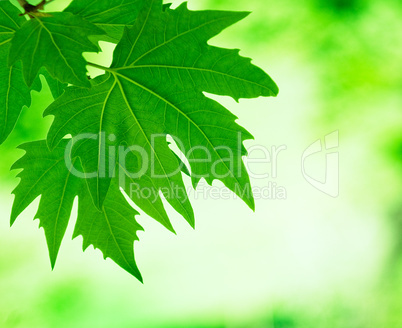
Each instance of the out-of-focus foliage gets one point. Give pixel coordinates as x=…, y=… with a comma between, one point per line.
x=354, y=45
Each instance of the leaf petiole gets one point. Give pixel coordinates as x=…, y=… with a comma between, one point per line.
x=103, y=68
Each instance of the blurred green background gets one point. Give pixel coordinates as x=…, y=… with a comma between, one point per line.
x=307, y=261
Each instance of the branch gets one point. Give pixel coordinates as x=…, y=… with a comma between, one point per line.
x=31, y=8
x=26, y=6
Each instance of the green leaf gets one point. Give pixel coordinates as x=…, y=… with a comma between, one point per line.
x=45, y=173
x=113, y=230
x=57, y=43
x=50, y=175
x=14, y=93
x=110, y=15
x=155, y=86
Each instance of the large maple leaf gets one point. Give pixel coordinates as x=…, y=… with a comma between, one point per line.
x=160, y=69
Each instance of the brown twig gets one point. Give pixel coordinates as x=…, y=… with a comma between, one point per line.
x=28, y=8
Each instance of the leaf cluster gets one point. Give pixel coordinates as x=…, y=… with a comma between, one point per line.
x=155, y=87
